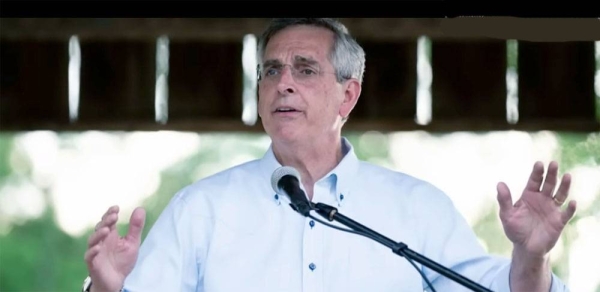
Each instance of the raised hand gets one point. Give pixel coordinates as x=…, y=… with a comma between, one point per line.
x=110, y=257
x=534, y=223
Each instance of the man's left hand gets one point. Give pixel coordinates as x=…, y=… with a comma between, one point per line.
x=535, y=222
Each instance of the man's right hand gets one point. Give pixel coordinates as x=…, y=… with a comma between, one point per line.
x=110, y=257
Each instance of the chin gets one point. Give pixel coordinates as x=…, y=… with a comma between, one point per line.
x=284, y=134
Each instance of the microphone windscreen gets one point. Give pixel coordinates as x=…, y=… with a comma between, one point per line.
x=281, y=172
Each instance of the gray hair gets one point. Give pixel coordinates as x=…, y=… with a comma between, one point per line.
x=346, y=56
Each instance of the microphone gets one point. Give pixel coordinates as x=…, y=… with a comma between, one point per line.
x=286, y=180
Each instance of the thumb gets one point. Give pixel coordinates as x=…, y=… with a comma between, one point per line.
x=504, y=197
x=136, y=224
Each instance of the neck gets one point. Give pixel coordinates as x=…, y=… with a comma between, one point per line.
x=312, y=159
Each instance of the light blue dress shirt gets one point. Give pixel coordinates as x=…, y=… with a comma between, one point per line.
x=232, y=232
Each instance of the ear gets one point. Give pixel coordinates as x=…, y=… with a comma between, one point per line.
x=258, y=100
x=351, y=94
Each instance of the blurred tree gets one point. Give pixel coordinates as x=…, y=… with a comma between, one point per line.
x=38, y=256
x=578, y=149
x=6, y=147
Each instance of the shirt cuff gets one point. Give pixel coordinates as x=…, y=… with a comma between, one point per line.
x=503, y=282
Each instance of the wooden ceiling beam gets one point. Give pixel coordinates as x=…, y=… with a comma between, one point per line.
x=228, y=29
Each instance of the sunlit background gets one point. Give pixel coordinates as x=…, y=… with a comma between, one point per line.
x=55, y=186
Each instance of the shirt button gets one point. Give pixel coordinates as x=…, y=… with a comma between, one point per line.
x=312, y=266
x=311, y=223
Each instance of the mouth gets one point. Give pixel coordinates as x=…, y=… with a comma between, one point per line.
x=285, y=109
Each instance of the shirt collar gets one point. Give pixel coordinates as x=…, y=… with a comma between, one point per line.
x=343, y=175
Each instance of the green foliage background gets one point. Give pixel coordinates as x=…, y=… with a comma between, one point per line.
x=36, y=255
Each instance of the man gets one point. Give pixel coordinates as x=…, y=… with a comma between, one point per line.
x=232, y=232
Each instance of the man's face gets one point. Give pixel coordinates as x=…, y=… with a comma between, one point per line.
x=299, y=97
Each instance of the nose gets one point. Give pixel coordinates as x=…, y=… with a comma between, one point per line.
x=286, y=82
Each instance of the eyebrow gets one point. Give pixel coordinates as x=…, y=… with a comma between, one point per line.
x=306, y=60
x=271, y=63
x=300, y=59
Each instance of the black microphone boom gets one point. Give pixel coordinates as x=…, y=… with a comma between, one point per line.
x=399, y=248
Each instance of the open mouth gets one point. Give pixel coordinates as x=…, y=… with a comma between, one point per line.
x=285, y=110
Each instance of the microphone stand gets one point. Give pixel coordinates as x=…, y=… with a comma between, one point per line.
x=399, y=248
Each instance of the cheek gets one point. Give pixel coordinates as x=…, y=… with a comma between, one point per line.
x=331, y=101
x=263, y=103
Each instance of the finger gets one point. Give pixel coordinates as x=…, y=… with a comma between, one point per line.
x=568, y=214
x=111, y=210
x=112, y=221
x=136, y=225
x=91, y=253
x=563, y=190
x=550, y=181
x=536, y=178
x=504, y=198
x=109, y=221
x=98, y=236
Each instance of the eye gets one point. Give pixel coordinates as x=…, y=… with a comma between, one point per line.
x=271, y=71
x=306, y=70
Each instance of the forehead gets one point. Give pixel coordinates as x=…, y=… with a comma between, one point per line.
x=297, y=42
